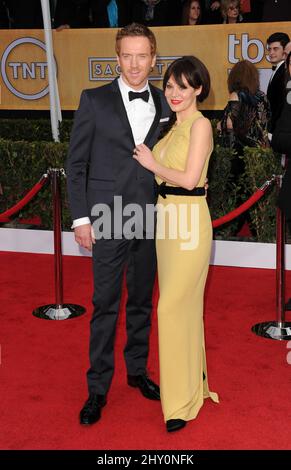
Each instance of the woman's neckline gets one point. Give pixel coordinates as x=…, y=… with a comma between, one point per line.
x=187, y=119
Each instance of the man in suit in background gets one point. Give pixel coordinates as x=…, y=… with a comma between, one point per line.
x=276, y=88
x=110, y=122
x=281, y=142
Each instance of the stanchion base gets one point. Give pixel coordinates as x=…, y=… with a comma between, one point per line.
x=273, y=330
x=56, y=312
x=288, y=305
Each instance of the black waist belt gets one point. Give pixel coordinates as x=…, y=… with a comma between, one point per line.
x=163, y=190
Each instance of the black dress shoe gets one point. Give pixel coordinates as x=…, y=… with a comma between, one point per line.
x=91, y=411
x=175, y=424
x=147, y=387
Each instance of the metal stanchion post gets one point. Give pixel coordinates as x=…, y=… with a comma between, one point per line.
x=279, y=329
x=58, y=311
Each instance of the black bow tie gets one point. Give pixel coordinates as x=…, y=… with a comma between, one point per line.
x=274, y=67
x=144, y=95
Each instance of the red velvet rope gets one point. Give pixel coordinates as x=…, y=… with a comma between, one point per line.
x=5, y=216
x=240, y=209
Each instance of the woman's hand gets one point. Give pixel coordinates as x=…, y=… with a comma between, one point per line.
x=144, y=156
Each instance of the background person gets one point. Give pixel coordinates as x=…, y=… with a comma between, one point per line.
x=245, y=119
x=246, y=115
x=281, y=142
x=192, y=12
x=231, y=11
x=276, y=44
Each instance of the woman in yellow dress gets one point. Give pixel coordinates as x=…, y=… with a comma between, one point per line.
x=183, y=240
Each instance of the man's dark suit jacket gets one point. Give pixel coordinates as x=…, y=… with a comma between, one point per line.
x=100, y=163
x=276, y=95
x=281, y=142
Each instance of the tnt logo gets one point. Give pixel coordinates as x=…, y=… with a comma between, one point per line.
x=24, y=68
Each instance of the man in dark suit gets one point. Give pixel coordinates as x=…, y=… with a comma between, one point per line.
x=110, y=122
x=281, y=142
x=276, y=88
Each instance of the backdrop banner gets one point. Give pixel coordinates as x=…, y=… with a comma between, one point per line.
x=85, y=58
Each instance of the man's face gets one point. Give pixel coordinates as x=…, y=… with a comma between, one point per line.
x=275, y=52
x=135, y=61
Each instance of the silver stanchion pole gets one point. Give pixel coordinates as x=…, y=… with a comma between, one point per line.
x=59, y=310
x=279, y=329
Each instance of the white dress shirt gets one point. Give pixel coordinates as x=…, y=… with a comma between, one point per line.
x=139, y=112
x=140, y=115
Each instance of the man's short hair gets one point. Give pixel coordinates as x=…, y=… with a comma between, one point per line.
x=135, y=30
x=282, y=38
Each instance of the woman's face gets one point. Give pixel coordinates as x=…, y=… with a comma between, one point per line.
x=233, y=10
x=180, y=98
x=195, y=11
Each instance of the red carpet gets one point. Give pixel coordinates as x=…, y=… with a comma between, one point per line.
x=43, y=365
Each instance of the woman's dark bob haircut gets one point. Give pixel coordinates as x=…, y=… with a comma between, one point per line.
x=195, y=73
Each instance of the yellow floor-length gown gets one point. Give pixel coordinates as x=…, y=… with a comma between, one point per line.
x=182, y=272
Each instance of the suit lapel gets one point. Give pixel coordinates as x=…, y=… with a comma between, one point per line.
x=122, y=114
x=158, y=114
x=276, y=77
x=120, y=110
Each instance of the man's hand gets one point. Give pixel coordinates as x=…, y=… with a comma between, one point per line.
x=215, y=6
x=62, y=27
x=84, y=236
